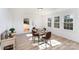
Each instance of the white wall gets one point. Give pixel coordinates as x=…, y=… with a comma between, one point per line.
x=18, y=21
x=5, y=19
x=70, y=34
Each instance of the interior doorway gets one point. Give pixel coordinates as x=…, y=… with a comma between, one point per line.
x=26, y=25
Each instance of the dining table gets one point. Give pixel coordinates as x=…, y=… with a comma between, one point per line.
x=41, y=33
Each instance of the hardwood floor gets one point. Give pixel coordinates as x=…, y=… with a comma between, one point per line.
x=23, y=43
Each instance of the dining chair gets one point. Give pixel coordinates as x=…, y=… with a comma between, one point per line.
x=34, y=35
x=47, y=38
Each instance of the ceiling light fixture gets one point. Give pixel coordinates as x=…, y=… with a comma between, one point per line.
x=39, y=8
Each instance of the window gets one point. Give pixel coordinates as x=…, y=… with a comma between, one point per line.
x=68, y=22
x=56, y=22
x=49, y=22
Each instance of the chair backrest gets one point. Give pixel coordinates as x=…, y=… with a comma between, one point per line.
x=34, y=33
x=44, y=29
x=48, y=35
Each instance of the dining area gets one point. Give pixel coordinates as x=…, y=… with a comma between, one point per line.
x=43, y=37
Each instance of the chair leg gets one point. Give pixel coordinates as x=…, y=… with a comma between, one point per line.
x=33, y=39
x=46, y=43
x=50, y=43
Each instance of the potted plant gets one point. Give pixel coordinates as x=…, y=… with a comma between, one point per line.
x=12, y=30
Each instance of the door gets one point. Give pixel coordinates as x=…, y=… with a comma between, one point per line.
x=26, y=25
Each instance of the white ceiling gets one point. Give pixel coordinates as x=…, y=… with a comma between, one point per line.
x=33, y=10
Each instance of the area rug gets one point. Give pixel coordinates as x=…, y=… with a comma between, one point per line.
x=53, y=43
x=43, y=46
x=28, y=35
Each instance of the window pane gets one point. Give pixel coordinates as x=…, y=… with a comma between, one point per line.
x=68, y=22
x=49, y=22
x=56, y=22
